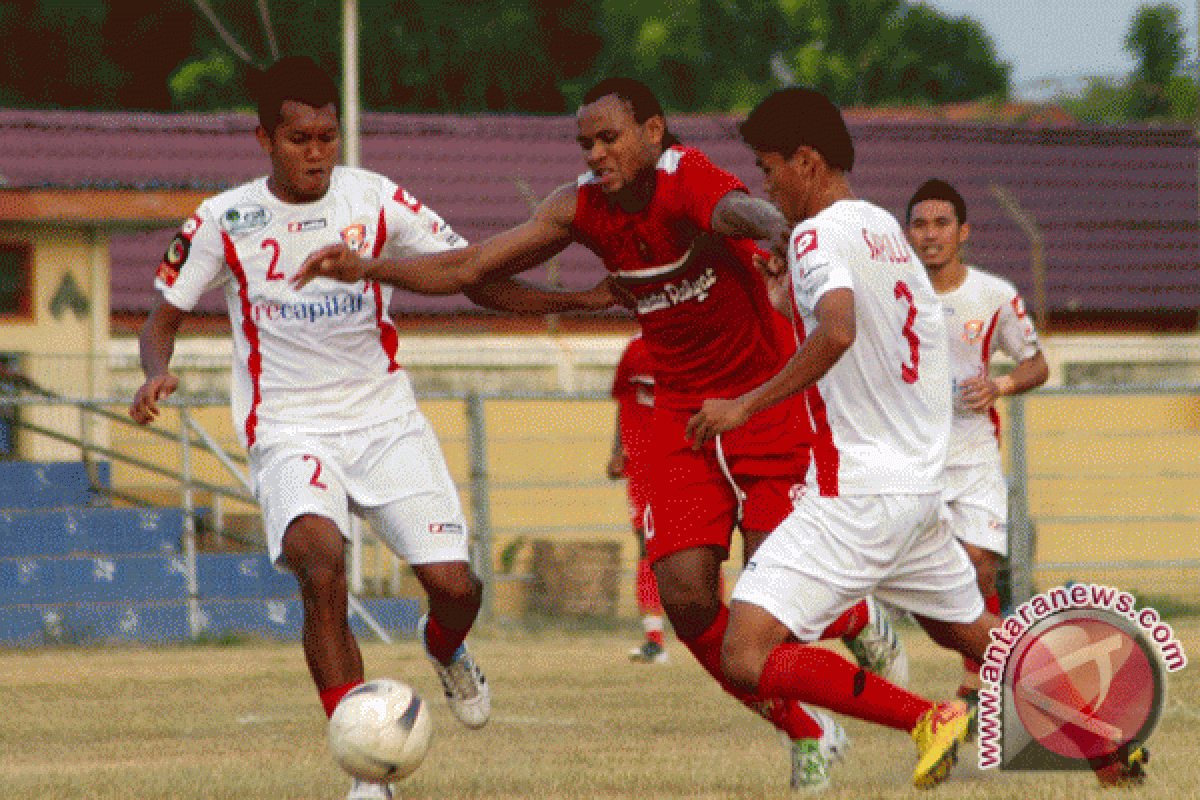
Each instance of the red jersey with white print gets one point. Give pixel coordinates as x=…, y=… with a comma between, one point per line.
x=881, y=414
x=633, y=389
x=983, y=315
x=704, y=312
x=317, y=359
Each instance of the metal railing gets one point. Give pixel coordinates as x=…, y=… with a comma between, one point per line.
x=489, y=483
x=1024, y=522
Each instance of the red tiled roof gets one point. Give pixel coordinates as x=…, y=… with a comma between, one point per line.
x=1117, y=206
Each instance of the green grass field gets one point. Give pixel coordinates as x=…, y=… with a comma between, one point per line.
x=572, y=718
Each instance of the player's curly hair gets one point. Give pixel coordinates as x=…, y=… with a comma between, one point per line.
x=640, y=98
x=296, y=78
x=791, y=118
x=937, y=189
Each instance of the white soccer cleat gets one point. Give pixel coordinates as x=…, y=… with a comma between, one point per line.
x=466, y=688
x=649, y=653
x=812, y=759
x=365, y=790
x=877, y=648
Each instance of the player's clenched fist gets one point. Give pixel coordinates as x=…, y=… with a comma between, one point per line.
x=337, y=261
x=145, y=402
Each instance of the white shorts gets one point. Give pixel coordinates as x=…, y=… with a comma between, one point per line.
x=392, y=473
x=831, y=552
x=976, y=499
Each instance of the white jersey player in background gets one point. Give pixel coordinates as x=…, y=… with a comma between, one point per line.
x=984, y=315
x=873, y=368
x=327, y=416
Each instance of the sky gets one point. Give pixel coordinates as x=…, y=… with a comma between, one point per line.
x=1054, y=44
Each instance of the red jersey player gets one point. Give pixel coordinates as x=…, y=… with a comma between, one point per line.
x=633, y=391
x=675, y=233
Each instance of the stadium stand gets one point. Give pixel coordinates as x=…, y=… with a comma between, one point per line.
x=75, y=572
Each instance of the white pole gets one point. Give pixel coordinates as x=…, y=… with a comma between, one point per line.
x=350, y=143
x=191, y=579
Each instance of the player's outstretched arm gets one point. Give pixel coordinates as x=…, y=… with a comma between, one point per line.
x=739, y=214
x=156, y=344
x=832, y=337
x=543, y=236
x=518, y=296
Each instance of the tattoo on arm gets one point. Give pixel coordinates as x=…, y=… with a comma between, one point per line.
x=739, y=214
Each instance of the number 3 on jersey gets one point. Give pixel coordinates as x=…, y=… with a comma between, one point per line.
x=909, y=371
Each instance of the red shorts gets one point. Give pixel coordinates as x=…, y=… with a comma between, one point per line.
x=696, y=501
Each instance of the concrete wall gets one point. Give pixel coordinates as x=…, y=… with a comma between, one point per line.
x=65, y=351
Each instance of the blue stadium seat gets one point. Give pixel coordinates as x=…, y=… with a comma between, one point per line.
x=167, y=622
x=50, y=484
x=78, y=531
x=96, y=579
x=224, y=576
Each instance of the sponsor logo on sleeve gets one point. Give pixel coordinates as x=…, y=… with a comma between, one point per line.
x=173, y=258
x=190, y=226
x=407, y=200
x=167, y=274
x=245, y=218
x=451, y=528
x=806, y=242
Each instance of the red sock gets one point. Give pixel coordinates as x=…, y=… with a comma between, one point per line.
x=992, y=602
x=788, y=716
x=332, y=696
x=850, y=623
x=647, y=590
x=440, y=641
x=821, y=677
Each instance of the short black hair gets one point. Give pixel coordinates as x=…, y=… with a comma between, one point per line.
x=791, y=118
x=937, y=189
x=296, y=78
x=640, y=98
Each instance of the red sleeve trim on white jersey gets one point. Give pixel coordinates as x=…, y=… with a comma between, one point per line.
x=250, y=330
x=986, y=355
x=993, y=414
x=388, y=339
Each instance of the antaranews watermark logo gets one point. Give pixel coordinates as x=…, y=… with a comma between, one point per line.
x=1073, y=675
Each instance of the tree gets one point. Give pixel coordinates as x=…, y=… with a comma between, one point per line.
x=881, y=52
x=1156, y=89
x=1156, y=39
x=510, y=56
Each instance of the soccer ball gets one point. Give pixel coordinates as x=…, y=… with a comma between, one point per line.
x=380, y=731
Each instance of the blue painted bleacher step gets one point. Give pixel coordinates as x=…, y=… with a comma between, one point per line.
x=79, y=573
x=51, y=484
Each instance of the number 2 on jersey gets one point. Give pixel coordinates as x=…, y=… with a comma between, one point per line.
x=272, y=273
x=909, y=372
x=316, y=476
